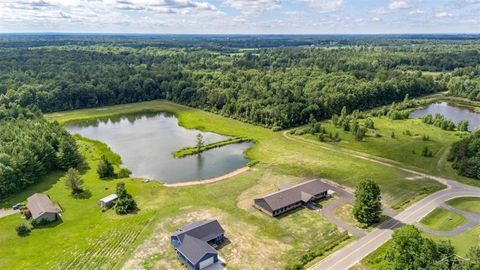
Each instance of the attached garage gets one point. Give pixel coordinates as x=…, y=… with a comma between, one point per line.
x=207, y=262
x=193, y=243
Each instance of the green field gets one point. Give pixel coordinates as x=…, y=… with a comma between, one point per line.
x=463, y=241
x=470, y=204
x=441, y=219
x=405, y=147
x=90, y=239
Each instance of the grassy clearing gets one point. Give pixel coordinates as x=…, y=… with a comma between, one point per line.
x=344, y=213
x=470, y=204
x=90, y=239
x=193, y=150
x=462, y=242
x=441, y=219
x=406, y=145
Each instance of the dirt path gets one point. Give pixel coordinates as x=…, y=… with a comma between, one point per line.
x=7, y=212
x=211, y=180
x=360, y=155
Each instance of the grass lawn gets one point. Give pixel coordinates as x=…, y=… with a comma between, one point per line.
x=470, y=204
x=405, y=147
x=344, y=213
x=464, y=241
x=90, y=239
x=441, y=219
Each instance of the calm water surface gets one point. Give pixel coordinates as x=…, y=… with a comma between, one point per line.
x=456, y=114
x=146, y=142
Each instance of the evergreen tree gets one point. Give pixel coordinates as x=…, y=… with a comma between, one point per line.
x=360, y=134
x=367, y=208
x=125, y=203
x=73, y=181
x=105, y=168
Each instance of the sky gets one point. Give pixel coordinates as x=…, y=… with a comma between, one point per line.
x=241, y=16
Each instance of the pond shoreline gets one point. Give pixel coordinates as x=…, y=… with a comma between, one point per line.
x=210, y=180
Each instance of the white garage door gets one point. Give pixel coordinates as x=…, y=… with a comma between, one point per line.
x=206, y=262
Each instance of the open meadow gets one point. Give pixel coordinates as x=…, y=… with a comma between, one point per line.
x=88, y=238
x=402, y=142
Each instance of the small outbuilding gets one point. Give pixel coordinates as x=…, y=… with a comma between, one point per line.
x=194, y=243
x=42, y=208
x=107, y=201
x=288, y=199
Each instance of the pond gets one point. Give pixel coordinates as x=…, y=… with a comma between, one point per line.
x=146, y=142
x=454, y=113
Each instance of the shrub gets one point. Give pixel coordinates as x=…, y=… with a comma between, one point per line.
x=124, y=173
x=105, y=168
x=26, y=213
x=22, y=229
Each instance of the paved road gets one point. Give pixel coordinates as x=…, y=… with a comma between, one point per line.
x=356, y=251
x=472, y=221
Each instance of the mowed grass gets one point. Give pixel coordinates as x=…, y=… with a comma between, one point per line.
x=441, y=219
x=406, y=145
x=462, y=242
x=470, y=204
x=90, y=239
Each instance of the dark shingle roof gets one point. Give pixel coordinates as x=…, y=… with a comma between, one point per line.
x=299, y=193
x=39, y=204
x=195, y=249
x=203, y=230
x=194, y=239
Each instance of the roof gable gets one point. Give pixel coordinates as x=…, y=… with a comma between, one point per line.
x=39, y=204
x=194, y=249
x=303, y=192
x=203, y=230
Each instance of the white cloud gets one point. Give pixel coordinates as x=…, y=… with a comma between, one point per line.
x=399, y=4
x=443, y=14
x=325, y=6
x=253, y=6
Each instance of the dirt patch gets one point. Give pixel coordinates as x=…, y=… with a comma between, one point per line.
x=242, y=250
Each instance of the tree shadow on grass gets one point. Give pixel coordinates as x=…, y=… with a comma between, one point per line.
x=85, y=194
x=44, y=184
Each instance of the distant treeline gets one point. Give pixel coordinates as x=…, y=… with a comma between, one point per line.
x=279, y=88
x=229, y=42
x=30, y=147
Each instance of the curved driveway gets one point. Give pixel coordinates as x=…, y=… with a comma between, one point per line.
x=356, y=251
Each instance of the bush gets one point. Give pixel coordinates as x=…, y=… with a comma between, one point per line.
x=105, y=168
x=22, y=230
x=26, y=213
x=124, y=173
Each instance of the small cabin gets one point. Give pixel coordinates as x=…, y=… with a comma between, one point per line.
x=108, y=201
x=42, y=208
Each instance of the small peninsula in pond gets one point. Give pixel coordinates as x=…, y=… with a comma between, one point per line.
x=146, y=142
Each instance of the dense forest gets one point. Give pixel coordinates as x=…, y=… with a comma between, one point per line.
x=465, y=156
x=30, y=147
x=274, y=87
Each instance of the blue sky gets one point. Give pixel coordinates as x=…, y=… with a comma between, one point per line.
x=241, y=16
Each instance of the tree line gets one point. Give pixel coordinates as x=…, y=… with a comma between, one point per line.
x=30, y=147
x=273, y=87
